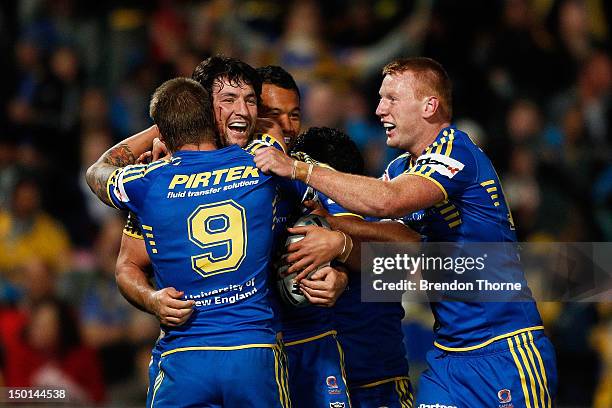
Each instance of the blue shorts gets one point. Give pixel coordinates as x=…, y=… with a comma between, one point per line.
x=316, y=372
x=391, y=393
x=153, y=372
x=254, y=377
x=518, y=371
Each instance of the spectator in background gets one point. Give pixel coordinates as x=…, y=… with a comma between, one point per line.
x=27, y=231
x=104, y=313
x=49, y=353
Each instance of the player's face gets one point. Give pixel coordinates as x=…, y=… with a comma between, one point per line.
x=283, y=106
x=399, y=110
x=235, y=108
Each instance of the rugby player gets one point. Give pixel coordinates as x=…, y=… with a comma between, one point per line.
x=370, y=334
x=485, y=353
x=198, y=240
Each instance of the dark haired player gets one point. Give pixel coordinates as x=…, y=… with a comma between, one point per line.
x=370, y=333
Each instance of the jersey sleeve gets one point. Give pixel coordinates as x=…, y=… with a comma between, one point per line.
x=334, y=208
x=451, y=166
x=126, y=186
x=396, y=167
x=264, y=140
x=132, y=227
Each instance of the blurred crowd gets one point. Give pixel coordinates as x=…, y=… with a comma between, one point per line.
x=532, y=83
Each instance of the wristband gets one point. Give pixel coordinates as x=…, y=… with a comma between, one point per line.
x=293, y=169
x=346, y=249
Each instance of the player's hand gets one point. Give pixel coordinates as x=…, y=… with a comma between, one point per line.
x=319, y=246
x=325, y=286
x=159, y=151
x=168, y=306
x=273, y=161
x=317, y=208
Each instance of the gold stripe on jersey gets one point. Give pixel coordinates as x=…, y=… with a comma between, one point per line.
x=532, y=384
x=452, y=216
x=455, y=223
x=112, y=180
x=348, y=214
x=535, y=369
x=542, y=368
x=486, y=343
x=449, y=145
x=158, y=382
x=342, y=369
x=218, y=348
x=386, y=380
x=156, y=165
x=487, y=183
x=147, y=227
x=309, y=339
x=436, y=182
x=447, y=209
x=491, y=189
x=281, y=378
x=521, y=372
x=131, y=233
x=402, y=387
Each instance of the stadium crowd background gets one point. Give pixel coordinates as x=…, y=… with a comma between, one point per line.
x=532, y=84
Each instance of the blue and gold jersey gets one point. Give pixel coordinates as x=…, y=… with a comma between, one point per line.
x=474, y=209
x=206, y=217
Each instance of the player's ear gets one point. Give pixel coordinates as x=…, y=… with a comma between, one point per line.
x=430, y=106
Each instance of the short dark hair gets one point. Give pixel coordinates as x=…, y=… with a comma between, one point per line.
x=181, y=109
x=331, y=146
x=237, y=73
x=431, y=78
x=277, y=76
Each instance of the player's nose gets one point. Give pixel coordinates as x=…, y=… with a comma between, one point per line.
x=382, y=108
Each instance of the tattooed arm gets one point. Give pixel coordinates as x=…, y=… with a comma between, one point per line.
x=122, y=154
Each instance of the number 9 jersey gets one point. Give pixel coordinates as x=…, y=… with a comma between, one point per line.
x=207, y=222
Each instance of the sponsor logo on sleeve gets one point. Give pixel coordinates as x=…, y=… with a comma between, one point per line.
x=447, y=166
x=337, y=405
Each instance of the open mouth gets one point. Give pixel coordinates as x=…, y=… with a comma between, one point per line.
x=388, y=127
x=238, y=127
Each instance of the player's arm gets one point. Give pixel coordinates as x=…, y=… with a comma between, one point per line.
x=362, y=195
x=134, y=284
x=122, y=154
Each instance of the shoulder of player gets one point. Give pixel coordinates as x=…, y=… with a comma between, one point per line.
x=137, y=171
x=301, y=156
x=398, y=161
x=263, y=140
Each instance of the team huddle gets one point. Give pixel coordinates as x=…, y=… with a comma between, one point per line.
x=210, y=221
